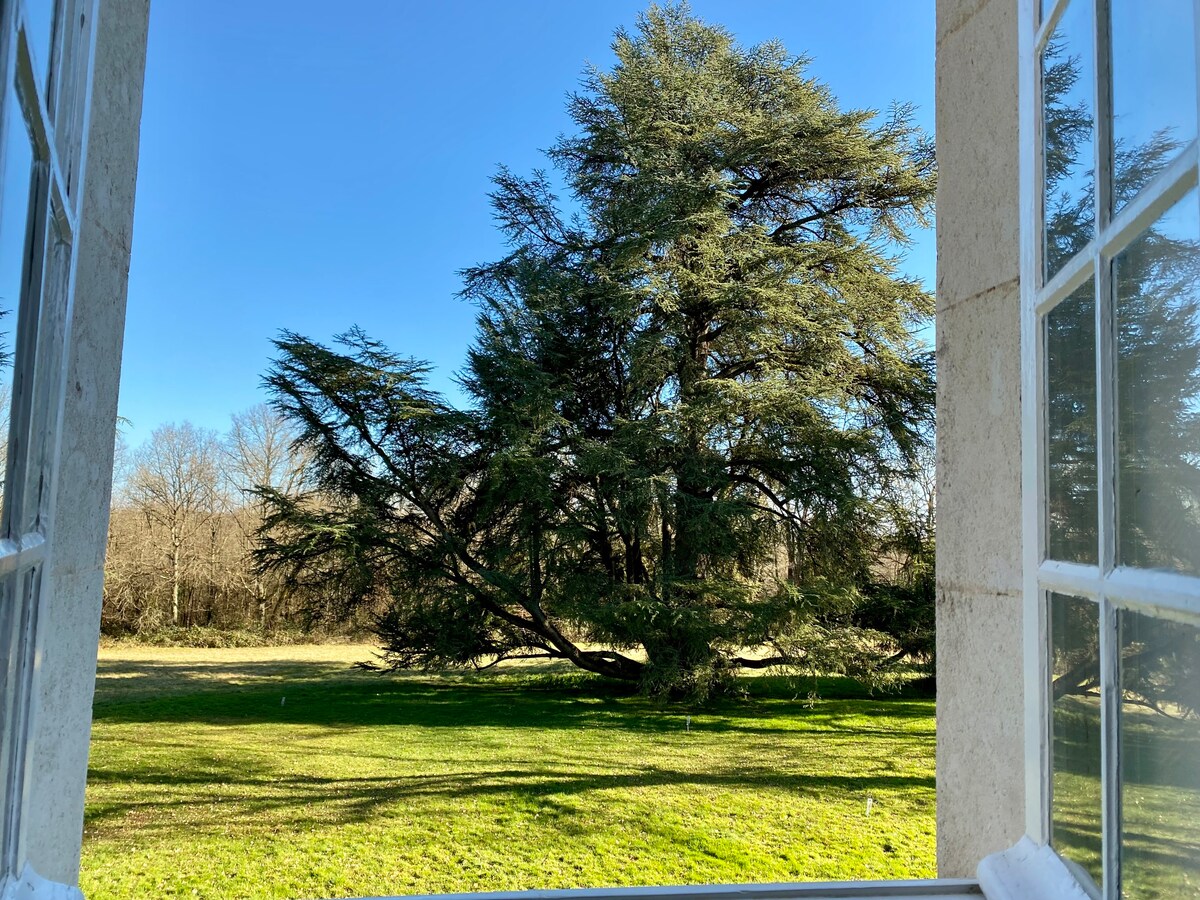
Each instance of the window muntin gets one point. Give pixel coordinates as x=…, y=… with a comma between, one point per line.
x=1124, y=249
x=44, y=47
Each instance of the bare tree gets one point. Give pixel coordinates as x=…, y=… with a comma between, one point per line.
x=174, y=483
x=260, y=452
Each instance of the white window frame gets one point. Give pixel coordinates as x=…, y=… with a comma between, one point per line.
x=1032, y=866
x=52, y=93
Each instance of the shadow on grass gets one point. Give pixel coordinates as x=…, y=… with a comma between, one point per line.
x=209, y=785
x=310, y=799
x=480, y=702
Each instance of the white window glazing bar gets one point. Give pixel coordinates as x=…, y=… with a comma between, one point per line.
x=28, y=551
x=1110, y=751
x=1163, y=594
x=1167, y=188
x=1073, y=273
x=1036, y=665
x=1070, y=578
x=1106, y=408
x=1046, y=27
x=1163, y=192
x=33, y=99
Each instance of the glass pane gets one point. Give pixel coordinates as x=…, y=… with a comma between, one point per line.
x=39, y=19
x=1075, y=689
x=1068, y=113
x=1071, y=428
x=18, y=593
x=1153, y=89
x=14, y=217
x=11, y=616
x=1160, y=759
x=1158, y=394
x=43, y=415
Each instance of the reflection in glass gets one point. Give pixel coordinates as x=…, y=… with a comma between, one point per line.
x=1157, y=281
x=1160, y=759
x=42, y=416
x=1068, y=114
x=1071, y=428
x=1075, y=677
x=1153, y=89
x=14, y=215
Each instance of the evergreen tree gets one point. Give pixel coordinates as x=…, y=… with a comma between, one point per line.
x=692, y=385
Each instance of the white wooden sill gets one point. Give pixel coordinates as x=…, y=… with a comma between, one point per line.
x=1026, y=871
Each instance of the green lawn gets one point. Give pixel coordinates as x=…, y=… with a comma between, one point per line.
x=281, y=773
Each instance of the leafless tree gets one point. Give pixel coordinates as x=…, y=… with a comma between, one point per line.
x=175, y=484
x=259, y=452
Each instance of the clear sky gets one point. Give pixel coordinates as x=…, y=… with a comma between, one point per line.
x=313, y=166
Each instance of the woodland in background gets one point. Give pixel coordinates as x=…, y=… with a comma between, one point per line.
x=186, y=522
x=183, y=526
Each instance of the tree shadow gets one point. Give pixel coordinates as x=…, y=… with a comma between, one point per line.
x=260, y=693
x=311, y=799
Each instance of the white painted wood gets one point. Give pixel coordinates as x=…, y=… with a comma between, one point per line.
x=1164, y=191
x=1047, y=27
x=1028, y=871
x=1164, y=594
x=1110, y=753
x=31, y=886
x=1032, y=415
x=42, y=340
x=1074, y=272
x=1070, y=578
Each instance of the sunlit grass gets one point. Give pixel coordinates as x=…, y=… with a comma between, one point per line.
x=282, y=773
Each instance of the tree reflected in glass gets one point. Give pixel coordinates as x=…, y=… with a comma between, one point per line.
x=14, y=216
x=1076, y=795
x=1071, y=513
x=1160, y=759
x=1157, y=281
x=1067, y=126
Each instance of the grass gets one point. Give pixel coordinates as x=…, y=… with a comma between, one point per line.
x=279, y=772
x=1160, y=798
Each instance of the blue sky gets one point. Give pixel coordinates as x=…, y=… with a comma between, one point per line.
x=311, y=167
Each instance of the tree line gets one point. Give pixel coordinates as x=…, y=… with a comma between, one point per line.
x=184, y=523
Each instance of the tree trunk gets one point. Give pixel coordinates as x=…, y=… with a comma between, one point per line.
x=175, y=586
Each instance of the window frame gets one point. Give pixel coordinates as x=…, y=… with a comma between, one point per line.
x=1111, y=586
x=51, y=87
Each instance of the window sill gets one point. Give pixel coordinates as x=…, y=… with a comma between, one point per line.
x=1028, y=871
x=32, y=886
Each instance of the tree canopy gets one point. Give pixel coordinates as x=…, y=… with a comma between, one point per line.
x=695, y=393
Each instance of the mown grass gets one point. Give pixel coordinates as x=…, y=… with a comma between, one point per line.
x=279, y=772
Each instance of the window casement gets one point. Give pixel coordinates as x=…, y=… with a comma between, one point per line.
x=45, y=58
x=1110, y=276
